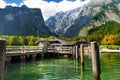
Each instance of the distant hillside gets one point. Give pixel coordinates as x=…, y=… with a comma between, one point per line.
x=95, y=13
x=22, y=21
x=110, y=27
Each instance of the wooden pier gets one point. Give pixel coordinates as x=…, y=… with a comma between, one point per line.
x=45, y=49
x=54, y=48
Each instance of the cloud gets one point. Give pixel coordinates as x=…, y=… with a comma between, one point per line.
x=13, y=4
x=51, y=8
x=3, y=4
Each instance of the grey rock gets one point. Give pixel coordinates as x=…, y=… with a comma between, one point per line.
x=94, y=14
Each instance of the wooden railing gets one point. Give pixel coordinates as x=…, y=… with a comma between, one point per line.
x=22, y=49
x=27, y=49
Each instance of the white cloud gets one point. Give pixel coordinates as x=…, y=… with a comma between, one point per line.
x=2, y=4
x=50, y=8
x=12, y=4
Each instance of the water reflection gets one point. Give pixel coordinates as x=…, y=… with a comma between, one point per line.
x=110, y=66
x=82, y=71
x=64, y=69
x=22, y=67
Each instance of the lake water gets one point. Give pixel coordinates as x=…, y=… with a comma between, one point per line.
x=63, y=69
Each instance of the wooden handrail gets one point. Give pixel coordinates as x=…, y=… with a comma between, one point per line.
x=24, y=49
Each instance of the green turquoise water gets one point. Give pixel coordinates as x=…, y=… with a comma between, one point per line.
x=110, y=67
x=63, y=69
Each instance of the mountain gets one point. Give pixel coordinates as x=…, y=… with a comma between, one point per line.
x=62, y=21
x=79, y=21
x=22, y=21
x=110, y=27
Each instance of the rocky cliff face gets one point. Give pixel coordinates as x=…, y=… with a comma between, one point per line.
x=21, y=21
x=95, y=13
x=62, y=21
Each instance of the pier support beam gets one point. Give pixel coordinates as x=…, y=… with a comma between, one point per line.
x=45, y=48
x=2, y=57
x=82, y=56
x=76, y=52
x=95, y=60
x=34, y=57
x=42, y=55
x=22, y=57
x=8, y=59
x=66, y=56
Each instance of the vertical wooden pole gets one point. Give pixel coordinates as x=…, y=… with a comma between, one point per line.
x=61, y=48
x=8, y=59
x=2, y=57
x=33, y=57
x=42, y=55
x=45, y=48
x=95, y=60
x=22, y=57
x=82, y=56
x=76, y=52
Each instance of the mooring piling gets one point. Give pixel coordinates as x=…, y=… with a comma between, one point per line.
x=2, y=57
x=82, y=56
x=76, y=52
x=95, y=60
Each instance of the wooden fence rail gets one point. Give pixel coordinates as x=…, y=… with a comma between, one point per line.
x=24, y=49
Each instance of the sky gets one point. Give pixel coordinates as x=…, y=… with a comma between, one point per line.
x=48, y=7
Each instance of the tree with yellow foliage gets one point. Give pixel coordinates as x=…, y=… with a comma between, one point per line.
x=109, y=39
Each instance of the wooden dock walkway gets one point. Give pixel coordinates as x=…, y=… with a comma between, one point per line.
x=46, y=48
x=23, y=52
x=36, y=50
x=16, y=51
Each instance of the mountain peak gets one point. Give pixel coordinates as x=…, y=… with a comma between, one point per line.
x=95, y=13
x=24, y=6
x=8, y=7
x=21, y=21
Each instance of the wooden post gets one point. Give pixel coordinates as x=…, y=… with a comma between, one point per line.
x=33, y=57
x=95, y=60
x=76, y=52
x=61, y=48
x=42, y=55
x=2, y=57
x=73, y=50
x=8, y=60
x=45, y=48
x=82, y=56
x=22, y=57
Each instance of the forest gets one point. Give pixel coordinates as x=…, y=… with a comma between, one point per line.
x=23, y=40
x=30, y=40
x=106, y=34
